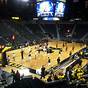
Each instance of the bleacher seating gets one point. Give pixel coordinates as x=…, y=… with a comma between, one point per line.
x=50, y=29
x=28, y=83
x=25, y=31
x=80, y=31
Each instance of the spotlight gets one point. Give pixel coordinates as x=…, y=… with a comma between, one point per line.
x=25, y=0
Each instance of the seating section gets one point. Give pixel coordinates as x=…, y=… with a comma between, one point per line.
x=80, y=31
x=28, y=32
x=50, y=30
x=36, y=30
x=66, y=30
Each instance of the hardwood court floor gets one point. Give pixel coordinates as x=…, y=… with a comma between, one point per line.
x=39, y=59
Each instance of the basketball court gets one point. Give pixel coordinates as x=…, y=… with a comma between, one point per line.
x=38, y=59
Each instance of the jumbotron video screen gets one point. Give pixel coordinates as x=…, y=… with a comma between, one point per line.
x=49, y=8
x=45, y=8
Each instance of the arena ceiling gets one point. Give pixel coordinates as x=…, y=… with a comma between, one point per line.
x=27, y=9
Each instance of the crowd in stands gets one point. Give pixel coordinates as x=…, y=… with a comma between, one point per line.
x=25, y=32
x=70, y=80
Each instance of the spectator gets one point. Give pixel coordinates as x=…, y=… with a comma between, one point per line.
x=42, y=72
x=4, y=78
x=66, y=48
x=22, y=53
x=13, y=54
x=55, y=77
x=14, y=75
x=29, y=57
x=8, y=59
x=68, y=74
x=70, y=53
x=49, y=61
x=17, y=76
x=80, y=62
x=58, y=60
x=49, y=78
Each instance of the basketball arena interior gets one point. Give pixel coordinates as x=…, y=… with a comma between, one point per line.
x=43, y=44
